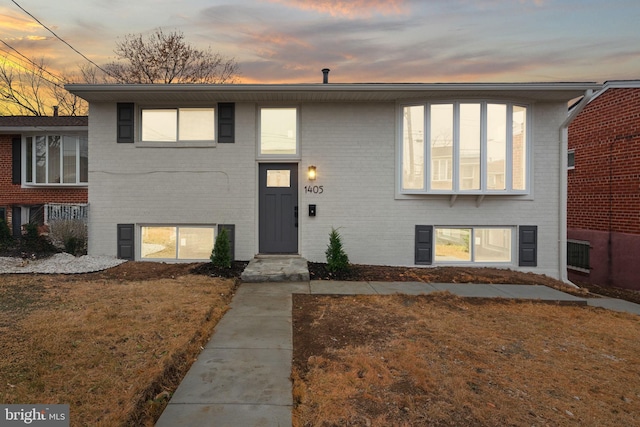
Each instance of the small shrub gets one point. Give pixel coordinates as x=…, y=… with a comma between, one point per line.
x=221, y=254
x=69, y=235
x=6, y=239
x=337, y=259
x=32, y=242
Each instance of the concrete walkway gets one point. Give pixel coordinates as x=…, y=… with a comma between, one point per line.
x=241, y=378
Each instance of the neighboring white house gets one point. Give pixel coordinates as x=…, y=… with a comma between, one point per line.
x=410, y=174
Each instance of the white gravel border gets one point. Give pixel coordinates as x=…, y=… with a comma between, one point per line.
x=62, y=263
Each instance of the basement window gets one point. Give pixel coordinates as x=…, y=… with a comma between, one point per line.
x=473, y=244
x=177, y=242
x=578, y=255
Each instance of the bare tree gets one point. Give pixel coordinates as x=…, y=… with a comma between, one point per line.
x=31, y=90
x=167, y=58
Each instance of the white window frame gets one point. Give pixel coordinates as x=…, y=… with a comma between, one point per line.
x=31, y=181
x=260, y=155
x=571, y=153
x=177, y=242
x=472, y=249
x=178, y=142
x=484, y=176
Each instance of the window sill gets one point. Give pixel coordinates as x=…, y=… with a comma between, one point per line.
x=452, y=197
x=180, y=144
x=30, y=185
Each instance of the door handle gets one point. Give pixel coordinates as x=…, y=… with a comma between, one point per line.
x=295, y=215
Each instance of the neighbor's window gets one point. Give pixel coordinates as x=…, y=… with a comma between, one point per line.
x=56, y=160
x=571, y=159
x=278, y=131
x=177, y=242
x=471, y=147
x=473, y=244
x=578, y=255
x=178, y=124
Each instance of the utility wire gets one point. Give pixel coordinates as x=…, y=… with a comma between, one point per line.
x=61, y=39
x=60, y=79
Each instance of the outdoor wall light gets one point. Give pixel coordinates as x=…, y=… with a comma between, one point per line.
x=311, y=173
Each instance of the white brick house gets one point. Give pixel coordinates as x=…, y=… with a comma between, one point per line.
x=411, y=174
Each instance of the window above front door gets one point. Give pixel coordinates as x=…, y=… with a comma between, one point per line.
x=278, y=132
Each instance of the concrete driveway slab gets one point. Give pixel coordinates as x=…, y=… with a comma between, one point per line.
x=408, y=288
x=221, y=415
x=261, y=305
x=615, y=305
x=542, y=293
x=471, y=290
x=253, y=332
x=220, y=376
x=284, y=288
x=341, y=288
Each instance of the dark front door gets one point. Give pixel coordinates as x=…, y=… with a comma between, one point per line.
x=278, y=208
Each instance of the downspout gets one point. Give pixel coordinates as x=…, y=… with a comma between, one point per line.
x=564, y=148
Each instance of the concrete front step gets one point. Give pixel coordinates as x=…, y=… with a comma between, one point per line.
x=276, y=268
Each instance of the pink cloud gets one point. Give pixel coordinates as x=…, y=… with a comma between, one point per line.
x=350, y=8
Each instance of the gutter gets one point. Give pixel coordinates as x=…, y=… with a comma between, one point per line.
x=564, y=148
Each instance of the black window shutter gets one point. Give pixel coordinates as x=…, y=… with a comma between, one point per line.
x=231, y=232
x=16, y=154
x=126, y=237
x=226, y=122
x=528, y=246
x=424, y=245
x=16, y=221
x=126, y=112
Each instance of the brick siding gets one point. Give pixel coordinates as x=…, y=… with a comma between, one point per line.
x=603, y=201
x=604, y=187
x=14, y=194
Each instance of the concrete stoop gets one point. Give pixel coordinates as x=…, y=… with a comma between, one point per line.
x=276, y=268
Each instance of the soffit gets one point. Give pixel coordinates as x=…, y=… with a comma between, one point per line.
x=297, y=93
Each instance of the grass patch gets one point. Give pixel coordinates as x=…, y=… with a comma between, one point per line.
x=113, y=350
x=440, y=360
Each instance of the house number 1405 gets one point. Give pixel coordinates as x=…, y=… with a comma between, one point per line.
x=315, y=189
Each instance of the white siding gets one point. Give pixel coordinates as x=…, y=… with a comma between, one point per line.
x=353, y=147
x=131, y=184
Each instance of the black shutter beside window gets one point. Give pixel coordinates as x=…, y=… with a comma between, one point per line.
x=226, y=122
x=16, y=221
x=528, y=246
x=126, y=237
x=126, y=112
x=424, y=245
x=16, y=154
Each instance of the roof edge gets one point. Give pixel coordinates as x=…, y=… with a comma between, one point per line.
x=373, y=87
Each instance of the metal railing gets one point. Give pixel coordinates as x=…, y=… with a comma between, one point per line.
x=62, y=211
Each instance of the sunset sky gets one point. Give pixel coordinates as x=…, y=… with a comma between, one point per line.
x=290, y=41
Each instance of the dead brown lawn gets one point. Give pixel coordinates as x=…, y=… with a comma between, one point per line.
x=113, y=350
x=440, y=360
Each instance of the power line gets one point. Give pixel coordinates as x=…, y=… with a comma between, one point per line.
x=39, y=67
x=61, y=39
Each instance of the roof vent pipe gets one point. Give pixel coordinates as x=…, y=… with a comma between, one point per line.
x=55, y=111
x=325, y=75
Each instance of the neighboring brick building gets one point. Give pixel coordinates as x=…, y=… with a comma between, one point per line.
x=603, y=207
x=43, y=161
